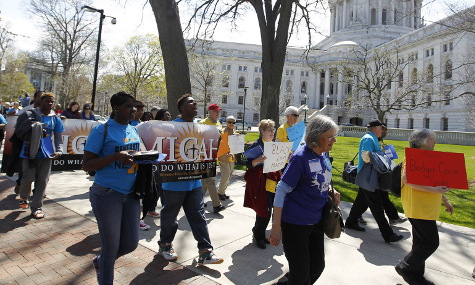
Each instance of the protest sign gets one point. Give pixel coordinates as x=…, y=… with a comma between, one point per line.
x=276, y=154
x=435, y=168
x=296, y=134
x=390, y=151
x=191, y=149
x=236, y=143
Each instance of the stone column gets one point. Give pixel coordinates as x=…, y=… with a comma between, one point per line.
x=327, y=85
x=345, y=15
x=332, y=19
x=319, y=95
x=340, y=87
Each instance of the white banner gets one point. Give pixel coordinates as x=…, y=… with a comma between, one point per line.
x=276, y=154
x=236, y=143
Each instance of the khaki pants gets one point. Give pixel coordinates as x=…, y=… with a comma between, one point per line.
x=210, y=185
x=38, y=174
x=226, y=173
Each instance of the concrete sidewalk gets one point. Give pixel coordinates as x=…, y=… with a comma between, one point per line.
x=68, y=238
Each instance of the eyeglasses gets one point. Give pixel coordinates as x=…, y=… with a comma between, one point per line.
x=295, y=115
x=231, y=123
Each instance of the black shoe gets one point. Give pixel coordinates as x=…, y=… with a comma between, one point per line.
x=219, y=208
x=222, y=197
x=260, y=243
x=205, y=205
x=227, y=197
x=362, y=221
x=408, y=277
x=393, y=238
x=266, y=240
x=422, y=280
x=355, y=227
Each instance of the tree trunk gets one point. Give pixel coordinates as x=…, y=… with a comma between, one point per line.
x=177, y=74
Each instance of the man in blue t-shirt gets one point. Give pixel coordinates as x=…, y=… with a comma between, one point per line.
x=366, y=198
x=37, y=168
x=189, y=195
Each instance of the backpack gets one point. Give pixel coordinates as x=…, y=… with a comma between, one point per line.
x=350, y=170
x=396, y=180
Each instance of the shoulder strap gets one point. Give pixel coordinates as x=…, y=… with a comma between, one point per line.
x=105, y=132
x=355, y=157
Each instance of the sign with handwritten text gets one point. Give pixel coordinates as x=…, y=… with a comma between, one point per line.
x=236, y=143
x=436, y=168
x=296, y=134
x=276, y=154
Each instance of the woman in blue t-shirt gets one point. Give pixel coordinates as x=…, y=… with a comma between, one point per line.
x=108, y=152
x=300, y=197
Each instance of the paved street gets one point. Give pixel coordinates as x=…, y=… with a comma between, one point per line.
x=59, y=249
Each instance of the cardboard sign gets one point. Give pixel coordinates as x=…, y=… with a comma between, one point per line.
x=276, y=154
x=390, y=151
x=296, y=134
x=236, y=143
x=191, y=149
x=435, y=168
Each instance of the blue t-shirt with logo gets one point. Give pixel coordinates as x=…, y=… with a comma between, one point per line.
x=181, y=185
x=369, y=142
x=2, y=120
x=117, y=176
x=51, y=124
x=309, y=175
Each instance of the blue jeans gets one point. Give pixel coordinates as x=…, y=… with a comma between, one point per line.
x=192, y=203
x=118, y=218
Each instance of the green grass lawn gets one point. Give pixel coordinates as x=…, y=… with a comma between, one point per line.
x=462, y=200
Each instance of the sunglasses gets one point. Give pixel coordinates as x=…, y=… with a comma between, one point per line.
x=231, y=123
x=295, y=115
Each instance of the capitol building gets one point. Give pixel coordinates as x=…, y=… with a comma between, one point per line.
x=380, y=60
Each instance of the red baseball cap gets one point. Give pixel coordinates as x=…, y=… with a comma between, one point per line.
x=214, y=107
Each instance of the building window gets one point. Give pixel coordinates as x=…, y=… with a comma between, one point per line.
x=322, y=88
x=288, y=86
x=373, y=16
x=226, y=81
x=426, y=123
x=410, y=123
x=322, y=75
x=287, y=72
x=429, y=100
x=447, y=98
x=413, y=100
x=430, y=73
x=401, y=79
x=239, y=115
x=256, y=69
x=257, y=83
x=241, y=82
x=257, y=101
x=444, y=122
x=448, y=69
x=303, y=87
x=414, y=76
x=444, y=47
x=255, y=117
x=224, y=114
x=224, y=100
x=451, y=46
x=242, y=68
x=385, y=17
x=241, y=100
x=306, y=73
x=397, y=122
x=226, y=67
x=302, y=73
x=291, y=72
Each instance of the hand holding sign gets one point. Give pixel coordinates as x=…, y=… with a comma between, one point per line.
x=435, y=168
x=236, y=143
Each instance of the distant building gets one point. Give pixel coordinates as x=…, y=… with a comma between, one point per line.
x=440, y=56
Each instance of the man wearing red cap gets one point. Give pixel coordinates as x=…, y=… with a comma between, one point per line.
x=209, y=184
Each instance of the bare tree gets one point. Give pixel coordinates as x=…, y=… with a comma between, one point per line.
x=172, y=42
x=69, y=41
x=6, y=39
x=277, y=21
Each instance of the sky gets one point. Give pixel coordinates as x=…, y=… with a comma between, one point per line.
x=136, y=17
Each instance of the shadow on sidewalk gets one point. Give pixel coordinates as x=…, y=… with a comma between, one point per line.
x=89, y=245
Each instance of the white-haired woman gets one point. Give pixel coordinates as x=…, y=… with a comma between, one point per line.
x=226, y=158
x=292, y=115
x=300, y=197
x=422, y=206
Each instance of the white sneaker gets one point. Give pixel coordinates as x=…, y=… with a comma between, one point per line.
x=207, y=257
x=167, y=252
x=143, y=226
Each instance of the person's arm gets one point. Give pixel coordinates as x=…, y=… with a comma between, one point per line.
x=281, y=191
x=435, y=189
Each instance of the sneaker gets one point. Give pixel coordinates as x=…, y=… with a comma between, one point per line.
x=143, y=226
x=398, y=221
x=355, y=227
x=219, y=208
x=95, y=263
x=167, y=252
x=207, y=257
x=222, y=197
x=393, y=238
x=154, y=214
x=473, y=273
x=23, y=203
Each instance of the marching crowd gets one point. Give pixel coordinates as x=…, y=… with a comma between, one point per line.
x=293, y=197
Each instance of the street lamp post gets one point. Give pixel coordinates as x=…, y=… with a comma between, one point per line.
x=96, y=65
x=305, y=108
x=244, y=113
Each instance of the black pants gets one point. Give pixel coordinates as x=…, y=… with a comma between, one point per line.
x=304, y=250
x=374, y=201
x=261, y=223
x=425, y=241
x=388, y=206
